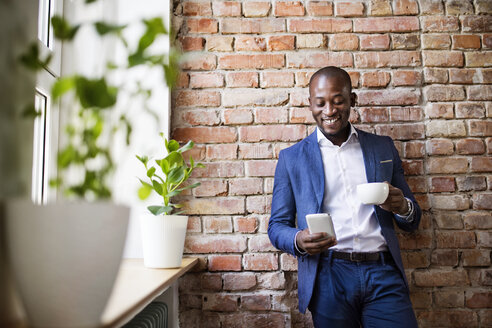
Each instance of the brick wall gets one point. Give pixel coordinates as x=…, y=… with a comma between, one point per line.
x=421, y=70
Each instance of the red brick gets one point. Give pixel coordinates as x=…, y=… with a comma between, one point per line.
x=194, y=224
x=405, y=41
x=455, y=239
x=484, y=239
x=407, y=78
x=441, y=278
x=217, y=224
x=413, y=260
x=260, y=243
x=211, y=188
x=417, y=184
x=435, y=75
x=439, y=147
x=197, y=98
x=325, y=25
x=406, y=114
x=205, y=134
x=476, y=258
x=183, y=80
x=189, y=43
x=445, y=93
x=242, y=79
x=479, y=92
x=259, y=204
x=198, y=117
x=468, y=183
x=250, y=43
x=449, y=299
x=256, y=302
x=374, y=42
x=445, y=165
x=272, y=133
x=261, y=61
x=206, y=80
x=450, y=318
x=344, y=41
x=255, y=151
x=481, y=164
x=450, y=202
x=214, y=206
x=466, y=41
x=216, y=244
x=260, y=168
x=480, y=128
x=198, y=153
x=226, y=8
x=418, y=241
x=211, y=281
x=319, y=59
x=442, y=184
x=199, y=62
x=219, y=43
x=436, y=41
x=260, y=262
x=431, y=7
x=301, y=115
x=218, y=302
x=221, y=151
x=436, y=110
x=421, y=299
x=447, y=220
x=224, y=263
x=439, y=23
x=289, y=8
x=252, y=25
x=246, y=186
x=464, y=76
x=373, y=114
x=476, y=23
x=443, y=59
x=470, y=147
x=245, y=224
x=445, y=257
x=197, y=9
x=310, y=41
x=239, y=281
x=256, y=9
x=276, y=79
x=405, y=7
x=271, y=115
x=255, y=97
x=477, y=220
x=220, y=170
x=442, y=128
x=244, y=319
x=349, y=9
x=202, y=25
x=281, y=42
x=482, y=201
x=387, y=59
x=413, y=167
x=320, y=8
x=375, y=79
x=402, y=131
x=478, y=59
x=380, y=8
x=238, y=116
x=459, y=7
x=414, y=149
x=388, y=97
x=423, y=200
x=386, y=24
x=478, y=299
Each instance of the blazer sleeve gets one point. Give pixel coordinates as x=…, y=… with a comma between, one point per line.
x=282, y=226
x=398, y=180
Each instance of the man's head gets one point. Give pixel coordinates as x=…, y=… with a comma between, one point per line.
x=330, y=100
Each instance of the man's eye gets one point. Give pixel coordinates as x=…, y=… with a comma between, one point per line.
x=320, y=104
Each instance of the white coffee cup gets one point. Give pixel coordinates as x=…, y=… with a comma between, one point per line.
x=373, y=193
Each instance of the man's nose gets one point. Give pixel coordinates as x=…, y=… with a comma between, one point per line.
x=329, y=109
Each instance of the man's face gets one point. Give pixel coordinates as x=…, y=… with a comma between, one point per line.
x=330, y=101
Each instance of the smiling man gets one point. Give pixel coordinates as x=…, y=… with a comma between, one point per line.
x=358, y=279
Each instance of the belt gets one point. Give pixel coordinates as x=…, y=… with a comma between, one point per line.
x=360, y=257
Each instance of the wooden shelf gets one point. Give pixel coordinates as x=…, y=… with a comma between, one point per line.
x=136, y=286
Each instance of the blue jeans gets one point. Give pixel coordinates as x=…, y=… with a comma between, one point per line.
x=360, y=294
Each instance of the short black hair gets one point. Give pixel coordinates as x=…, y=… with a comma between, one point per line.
x=332, y=71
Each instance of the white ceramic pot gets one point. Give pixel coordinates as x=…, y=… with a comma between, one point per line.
x=163, y=238
x=65, y=258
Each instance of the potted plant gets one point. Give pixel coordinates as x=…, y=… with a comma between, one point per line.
x=163, y=228
x=65, y=256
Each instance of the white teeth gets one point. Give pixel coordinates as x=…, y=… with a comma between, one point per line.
x=332, y=120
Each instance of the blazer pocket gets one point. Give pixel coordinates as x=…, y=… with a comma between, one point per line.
x=385, y=170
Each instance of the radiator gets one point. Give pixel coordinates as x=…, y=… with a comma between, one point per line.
x=153, y=315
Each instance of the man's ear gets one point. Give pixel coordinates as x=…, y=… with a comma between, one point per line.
x=353, y=99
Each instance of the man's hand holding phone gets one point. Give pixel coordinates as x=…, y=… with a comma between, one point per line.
x=319, y=236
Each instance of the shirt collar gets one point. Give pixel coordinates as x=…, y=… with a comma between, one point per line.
x=353, y=134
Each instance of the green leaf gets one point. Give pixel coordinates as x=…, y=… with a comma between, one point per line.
x=200, y=165
x=31, y=60
x=144, y=192
x=154, y=27
x=104, y=28
x=190, y=186
x=143, y=159
x=172, y=145
x=62, y=28
x=95, y=93
x=61, y=86
x=176, y=175
x=30, y=111
x=157, y=210
x=145, y=183
x=67, y=156
x=165, y=167
x=170, y=75
x=150, y=172
x=175, y=159
x=90, y=1
x=173, y=193
x=157, y=187
x=186, y=147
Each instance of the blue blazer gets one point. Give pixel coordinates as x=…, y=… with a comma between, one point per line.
x=299, y=190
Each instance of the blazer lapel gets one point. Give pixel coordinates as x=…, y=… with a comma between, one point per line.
x=369, y=156
x=314, y=167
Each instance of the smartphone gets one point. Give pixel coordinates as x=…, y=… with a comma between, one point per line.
x=320, y=222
